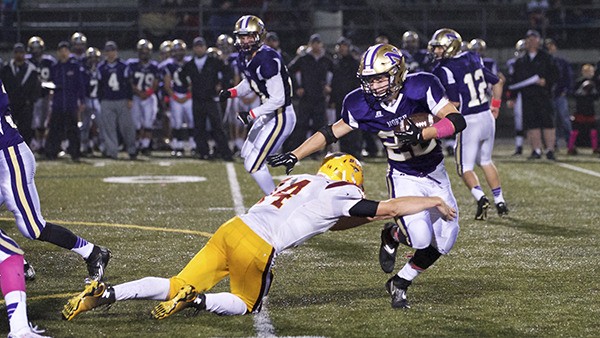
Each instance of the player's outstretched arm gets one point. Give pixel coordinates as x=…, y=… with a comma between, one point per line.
x=316, y=142
x=408, y=205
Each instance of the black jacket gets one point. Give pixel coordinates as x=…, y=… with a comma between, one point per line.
x=542, y=65
x=204, y=83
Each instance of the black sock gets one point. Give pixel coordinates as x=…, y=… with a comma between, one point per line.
x=58, y=235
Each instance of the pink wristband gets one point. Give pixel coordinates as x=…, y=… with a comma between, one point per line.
x=444, y=128
x=496, y=103
x=233, y=92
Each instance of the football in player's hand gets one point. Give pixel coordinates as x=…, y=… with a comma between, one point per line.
x=421, y=120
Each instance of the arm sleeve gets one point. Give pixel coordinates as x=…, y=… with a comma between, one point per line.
x=364, y=208
x=243, y=88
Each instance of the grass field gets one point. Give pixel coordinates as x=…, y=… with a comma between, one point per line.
x=535, y=273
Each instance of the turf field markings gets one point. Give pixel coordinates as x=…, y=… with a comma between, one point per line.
x=578, y=169
x=125, y=226
x=262, y=323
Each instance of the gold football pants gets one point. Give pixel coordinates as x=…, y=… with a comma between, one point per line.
x=233, y=250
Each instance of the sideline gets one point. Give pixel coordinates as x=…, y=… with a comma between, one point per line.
x=262, y=322
x=578, y=169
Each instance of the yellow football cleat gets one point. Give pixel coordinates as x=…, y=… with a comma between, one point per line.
x=186, y=297
x=95, y=294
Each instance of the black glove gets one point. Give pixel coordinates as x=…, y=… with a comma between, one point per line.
x=244, y=117
x=412, y=134
x=224, y=95
x=288, y=159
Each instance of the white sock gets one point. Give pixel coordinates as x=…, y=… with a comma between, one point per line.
x=225, y=303
x=17, y=310
x=145, y=142
x=408, y=272
x=239, y=142
x=519, y=141
x=155, y=288
x=477, y=193
x=264, y=180
x=85, y=250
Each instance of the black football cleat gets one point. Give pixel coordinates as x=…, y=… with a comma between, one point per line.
x=97, y=262
x=388, y=248
x=29, y=271
x=502, y=209
x=534, y=156
x=397, y=287
x=482, y=207
x=550, y=155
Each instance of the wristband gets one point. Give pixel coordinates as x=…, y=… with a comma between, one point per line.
x=252, y=114
x=149, y=91
x=444, y=128
x=233, y=92
x=496, y=103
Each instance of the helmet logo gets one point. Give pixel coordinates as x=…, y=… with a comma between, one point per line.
x=451, y=36
x=393, y=57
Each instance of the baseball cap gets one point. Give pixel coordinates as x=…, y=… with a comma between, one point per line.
x=64, y=44
x=19, y=47
x=110, y=46
x=314, y=38
x=532, y=32
x=199, y=41
x=343, y=41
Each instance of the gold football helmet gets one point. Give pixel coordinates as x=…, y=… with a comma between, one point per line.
x=342, y=167
x=410, y=40
x=249, y=25
x=447, y=38
x=144, y=44
x=92, y=52
x=166, y=46
x=382, y=60
x=35, y=42
x=519, y=47
x=78, y=38
x=179, y=44
x=214, y=51
x=477, y=46
x=224, y=40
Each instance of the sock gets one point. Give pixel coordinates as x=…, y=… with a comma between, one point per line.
x=225, y=303
x=83, y=247
x=12, y=282
x=154, y=288
x=498, y=197
x=239, y=143
x=477, y=192
x=538, y=151
x=594, y=139
x=409, y=272
x=519, y=141
x=16, y=307
x=572, y=139
x=264, y=179
x=145, y=143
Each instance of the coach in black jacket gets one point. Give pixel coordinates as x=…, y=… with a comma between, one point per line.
x=206, y=74
x=535, y=73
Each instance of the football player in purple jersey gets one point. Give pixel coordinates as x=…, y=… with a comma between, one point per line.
x=19, y=194
x=41, y=107
x=265, y=74
x=466, y=81
x=144, y=77
x=386, y=100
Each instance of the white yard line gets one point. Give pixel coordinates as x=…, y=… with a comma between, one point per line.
x=578, y=169
x=262, y=322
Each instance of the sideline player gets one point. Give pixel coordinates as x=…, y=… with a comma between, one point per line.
x=266, y=75
x=180, y=97
x=19, y=194
x=245, y=247
x=466, y=81
x=387, y=99
x=144, y=77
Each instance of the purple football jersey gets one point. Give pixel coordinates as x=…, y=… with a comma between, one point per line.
x=421, y=92
x=9, y=135
x=466, y=81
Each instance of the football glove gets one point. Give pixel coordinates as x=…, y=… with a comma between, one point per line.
x=288, y=160
x=224, y=95
x=244, y=117
x=411, y=135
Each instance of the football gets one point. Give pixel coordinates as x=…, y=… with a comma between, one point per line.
x=422, y=120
